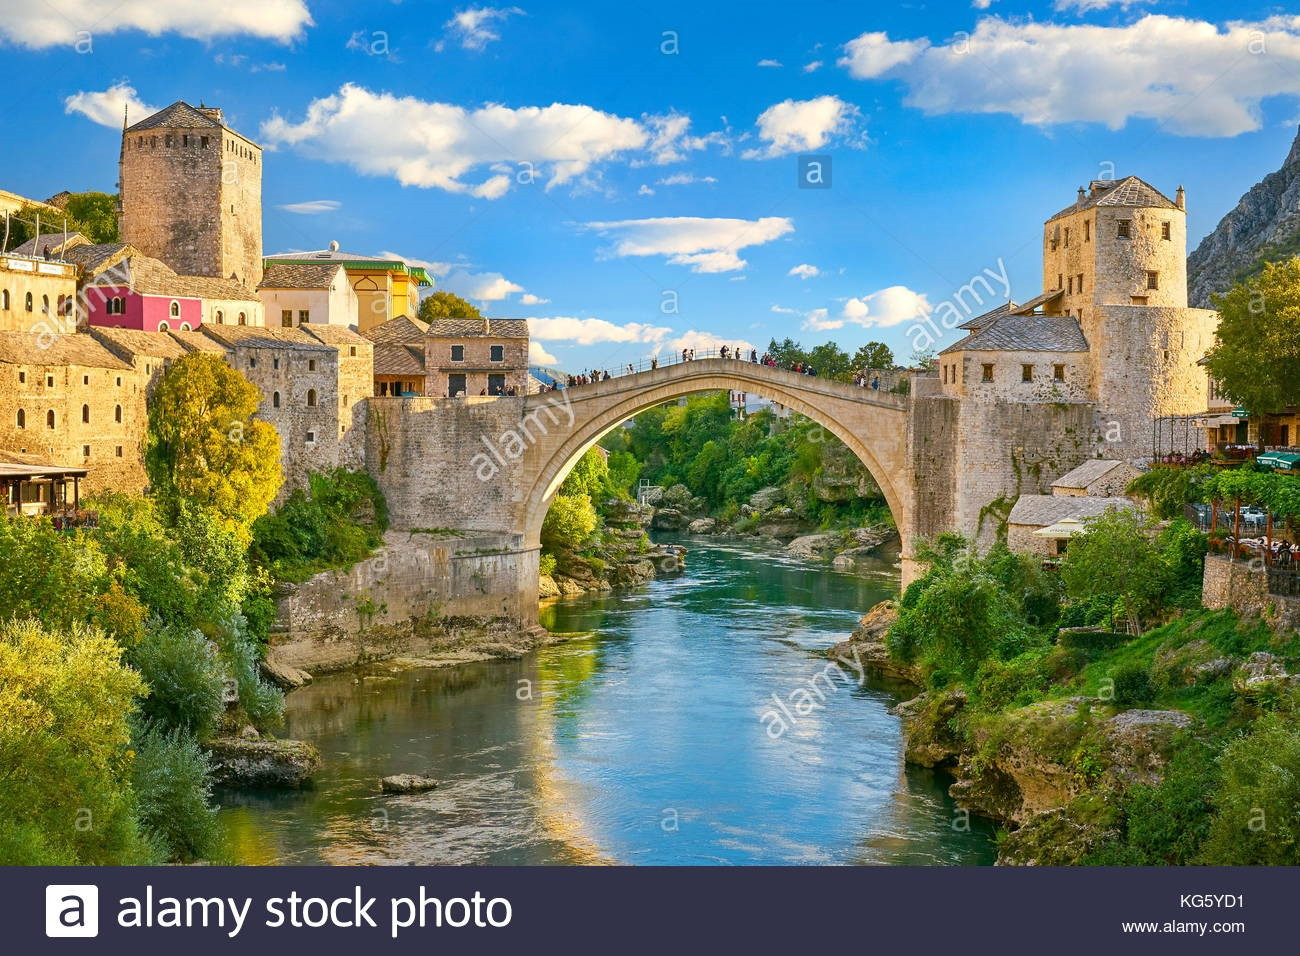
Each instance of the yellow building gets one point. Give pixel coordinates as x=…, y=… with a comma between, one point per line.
x=387, y=287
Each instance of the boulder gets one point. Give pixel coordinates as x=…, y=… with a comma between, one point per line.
x=767, y=498
x=668, y=519
x=284, y=676
x=702, y=526
x=866, y=646
x=279, y=764
x=1140, y=742
x=843, y=562
x=546, y=587
x=811, y=546
x=928, y=721
x=1263, y=672
x=781, y=523
x=407, y=783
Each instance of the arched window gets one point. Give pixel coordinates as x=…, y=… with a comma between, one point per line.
x=116, y=305
x=185, y=327
x=163, y=326
x=221, y=317
x=175, y=309
x=275, y=400
x=85, y=414
x=22, y=418
x=49, y=418
x=45, y=305
x=117, y=413
x=311, y=398
x=243, y=319
x=27, y=303
x=4, y=299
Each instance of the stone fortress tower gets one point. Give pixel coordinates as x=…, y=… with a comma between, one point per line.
x=191, y=194
x=1118, y=258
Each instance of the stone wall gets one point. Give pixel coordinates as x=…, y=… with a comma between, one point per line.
x=48, y=283
x=477, y=364
x=1237, y=585
x=421, y=595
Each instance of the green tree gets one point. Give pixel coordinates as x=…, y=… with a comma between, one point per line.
x=1256, y=358
x=65, y=793
x=873, y=355
x=446, y=305
x=570, y=521
x=831, y=361
x=1256, y=820
x=205, y=446
x=1115, y=556
x=94, y=215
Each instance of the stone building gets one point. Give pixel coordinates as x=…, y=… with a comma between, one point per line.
x=399, y=357
x=387, y=288
x=190, y=192
x=356, y=383
x=1038, y=513
x=476, y=357
x=36, y=294
x=1098, y=478
x=296, y=295
x=70, y=400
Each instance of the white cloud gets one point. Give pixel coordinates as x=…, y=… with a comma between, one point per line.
x=106, y=107
x=793, y=126
x=431, y=144
x=684, y=179
x=39, y=25
x=645, y=190
x=981, y=4
x=593, y=331
x=883, y=309
x=537, y=355
x=474, y=28
x=529, y=299
x=804, y=271
x=705, y=245
x=813, y=67
x=1193, y=77
x=433, y=268
x=312, y=207
x=484, y=286
x=769, y=63
x=671, y=139
x=1084, y=6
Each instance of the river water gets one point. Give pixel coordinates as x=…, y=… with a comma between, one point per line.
x=691, y=723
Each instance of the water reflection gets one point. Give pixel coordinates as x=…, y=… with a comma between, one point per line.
x=643, y=742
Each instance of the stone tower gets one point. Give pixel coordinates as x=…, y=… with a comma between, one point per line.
x=191, y=193
x=1118, y=258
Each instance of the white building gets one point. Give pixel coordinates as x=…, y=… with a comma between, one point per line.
x=295, y=295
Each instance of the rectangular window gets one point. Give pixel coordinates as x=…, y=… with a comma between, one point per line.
x=1125, y=229
x=304, y=316
x=85, y=380
x=49, y=381
x=1153, y=280
x=455, y=384
x=275, y=362
x=85, y=451
x=352, y=351
x=118, y=451
x=1060, y=281
x=1026, y=373
x=498, y=353
x=1137, y=300
x=1087, y=231
x=22, y=378
x=496, y=384
x=1067, y=237
x=945, y=375
x=1069, y=285
x=185, y=140
x=458, y=353
x=286, y=318
x=252, y=362
x=311, y=365
x=311, y=438
x=988, y=373
x=203, y=142
x=1058, y=372
x=1080, y=283
x=1166, y=231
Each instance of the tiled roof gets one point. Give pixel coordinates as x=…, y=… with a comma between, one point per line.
x=1042, y=510
x=333, y=334
x=35, y=247
x=1025, y=333
x=327, y=255
x=198, y=342
x=96, y=257
x=31, y=348
x=256, y=337
x=399, y=330
x=128, y=343
x=1030, y=307
x=392, y=358
x=465, y=328
x=296, y=276
x=1129, y=191
x=180, y=115
x=1086, y=473
x=150, y=276
x=980, y=321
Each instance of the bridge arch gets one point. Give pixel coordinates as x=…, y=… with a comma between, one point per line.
x=871, y=424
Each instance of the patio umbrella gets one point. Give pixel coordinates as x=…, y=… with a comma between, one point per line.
x=1065, y=528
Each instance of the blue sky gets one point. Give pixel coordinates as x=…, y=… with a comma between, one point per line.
x=626, y=175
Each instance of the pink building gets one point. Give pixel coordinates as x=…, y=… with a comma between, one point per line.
x=121, y=307
x=140, y=292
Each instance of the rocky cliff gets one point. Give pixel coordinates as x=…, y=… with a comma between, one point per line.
x=1264, y=226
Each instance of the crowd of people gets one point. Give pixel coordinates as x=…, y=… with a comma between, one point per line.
x=1178, y=458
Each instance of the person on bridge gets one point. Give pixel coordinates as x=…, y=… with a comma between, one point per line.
x=629, y=368
x=686, y=355
x=654, y=364
x=875, y=383
x=723, y=351
x=753, y=356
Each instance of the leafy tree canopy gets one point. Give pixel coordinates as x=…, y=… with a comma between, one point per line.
x=873, y=355
x=446, y=305
x=1256, y=359
x=92, y=214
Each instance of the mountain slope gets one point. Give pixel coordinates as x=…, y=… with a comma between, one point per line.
x=1264, y=227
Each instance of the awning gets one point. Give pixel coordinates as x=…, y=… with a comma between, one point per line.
x=1280, y=460
x=1065, y=528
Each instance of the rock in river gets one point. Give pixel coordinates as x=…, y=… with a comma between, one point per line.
x=407, y=783
x=284, y=764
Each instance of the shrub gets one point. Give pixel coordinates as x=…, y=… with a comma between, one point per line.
x=184, y=678
x=1255, y=821
x=1133, y=685
x=1019, y=681
x=173, y=793
x=546, y=564
x=261, y=702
